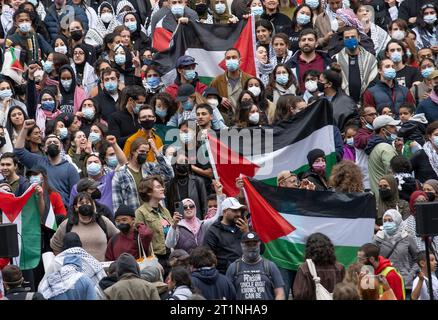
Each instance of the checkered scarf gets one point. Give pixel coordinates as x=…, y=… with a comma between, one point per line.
x=350, y=19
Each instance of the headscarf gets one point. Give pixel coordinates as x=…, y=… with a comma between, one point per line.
x=383, y=206
x=413, y=199
x=192, y=223
x=220, y=18
x=397, y=218
x=350, y=19
x=433, y=183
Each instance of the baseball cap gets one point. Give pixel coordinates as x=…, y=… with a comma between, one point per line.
x=250, y=236
x=433, y=75
x=231, y=203
x=87, y=183
x=385, y=120
x=185, y=61
x=184, y=92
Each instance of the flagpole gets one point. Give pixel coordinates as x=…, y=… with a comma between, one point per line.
x=211, y=157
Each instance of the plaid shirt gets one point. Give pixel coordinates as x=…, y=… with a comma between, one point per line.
x=124, y=187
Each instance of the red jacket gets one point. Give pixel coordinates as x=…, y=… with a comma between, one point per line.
x=361, y=138
x=394, y=280
x=173, y=88
x=121, y=243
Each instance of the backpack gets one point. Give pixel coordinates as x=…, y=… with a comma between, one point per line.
x=321, y=292
x=99, y=221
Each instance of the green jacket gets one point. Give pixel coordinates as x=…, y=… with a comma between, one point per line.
x=378, y=164
x=145, y=214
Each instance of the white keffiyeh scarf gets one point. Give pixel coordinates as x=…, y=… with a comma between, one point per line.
x=432, y=155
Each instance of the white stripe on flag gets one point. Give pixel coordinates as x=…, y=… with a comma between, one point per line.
x=208, y=61
x=342, y=232
x=50, y=220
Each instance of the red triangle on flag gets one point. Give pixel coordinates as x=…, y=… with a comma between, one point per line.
x=246, y=46
x=229, y=165
x=11, y=205
x=162, y=37
x=267, y=222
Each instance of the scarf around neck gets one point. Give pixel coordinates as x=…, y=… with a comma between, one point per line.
x=432, y=155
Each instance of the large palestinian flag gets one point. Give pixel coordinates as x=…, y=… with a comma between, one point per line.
x=23, y=211
x=207, y=43
x=263, y=153
x=284, y=218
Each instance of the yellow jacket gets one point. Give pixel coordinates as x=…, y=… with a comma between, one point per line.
x=142, y=134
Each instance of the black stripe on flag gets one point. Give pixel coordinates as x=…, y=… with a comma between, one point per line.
x=326, y=204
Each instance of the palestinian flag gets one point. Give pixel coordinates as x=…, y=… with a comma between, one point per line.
x=284, y=218
x=23, y=211
x=161, y=37
x=50, y=220
x=207, y=43
x=263, y=153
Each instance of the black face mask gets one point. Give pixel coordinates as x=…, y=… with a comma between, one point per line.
x=76, y=35
x=431, y=196
x=141, y=158
x=86, y=210
x=2, y=142
x=320, y=86
x=385, y=194
x=124, y=227
x=182, y=169
x=96, y=194
x=147, y=124
x=201, y=8
x=53, y=150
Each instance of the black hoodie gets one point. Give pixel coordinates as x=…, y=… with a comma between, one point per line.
x=67, y=103
x=213, y=285
x=126, y=263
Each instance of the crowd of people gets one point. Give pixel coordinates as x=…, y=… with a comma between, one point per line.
x=83, y=108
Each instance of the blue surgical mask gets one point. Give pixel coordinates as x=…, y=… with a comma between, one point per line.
x=189, y=74
x=427, y=72
x=220, y=8
x=186, y=137
x=88, y=113
x=396, y=57
x=303, y=19
x=112, y=161
x=153, y=82
x=282, y=79
x=391, y=137
x=369, y=126
x=63, y=133
x=389, y=73
x=188, y=105
x=93, y=169
x=35, y=179
x=257, y=11
x=430, y=19
x=48, y=105
x=120, y=59
x=48, y=66
x=137, y=108
x=390, y=228
x=351, y=43
x=94, y=137
x=66, y=84
x=24, y=27
x=5, y=94
x=435, y=141
x=313, y=4
x=350, y=142
x=232, y=64
x=162, y=113
x=110, y=86
x=131, y=25
x=177, y=10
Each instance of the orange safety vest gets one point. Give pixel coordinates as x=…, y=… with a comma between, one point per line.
x=385, y=273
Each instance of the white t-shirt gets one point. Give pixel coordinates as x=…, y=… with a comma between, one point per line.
x=424, y=293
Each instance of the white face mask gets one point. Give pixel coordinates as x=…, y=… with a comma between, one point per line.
x=61, y=49
x=254, y=117
x=213, y=102
x=398, y=35
x=106, y=17
x=255, y=90
x=334, y=25
x=311, y=86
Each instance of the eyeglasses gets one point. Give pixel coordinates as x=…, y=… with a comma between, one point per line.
x=79, y=53
x=190, y=206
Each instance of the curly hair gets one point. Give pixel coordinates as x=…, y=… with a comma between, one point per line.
x=320, y=249
x=346, y=177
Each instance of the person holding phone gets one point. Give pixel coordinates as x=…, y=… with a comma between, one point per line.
x=188, y=230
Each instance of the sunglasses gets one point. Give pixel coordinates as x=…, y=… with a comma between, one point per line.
x=190, y=206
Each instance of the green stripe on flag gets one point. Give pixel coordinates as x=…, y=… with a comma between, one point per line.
x=206, y=80
x=290, y=255
x=30, y=234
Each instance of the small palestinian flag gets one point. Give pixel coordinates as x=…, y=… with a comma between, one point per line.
x=263, y=153
x=23, y=211
x=207, y=43
x=284, y=218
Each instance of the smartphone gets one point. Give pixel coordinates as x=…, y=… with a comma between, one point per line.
x=179, y=208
